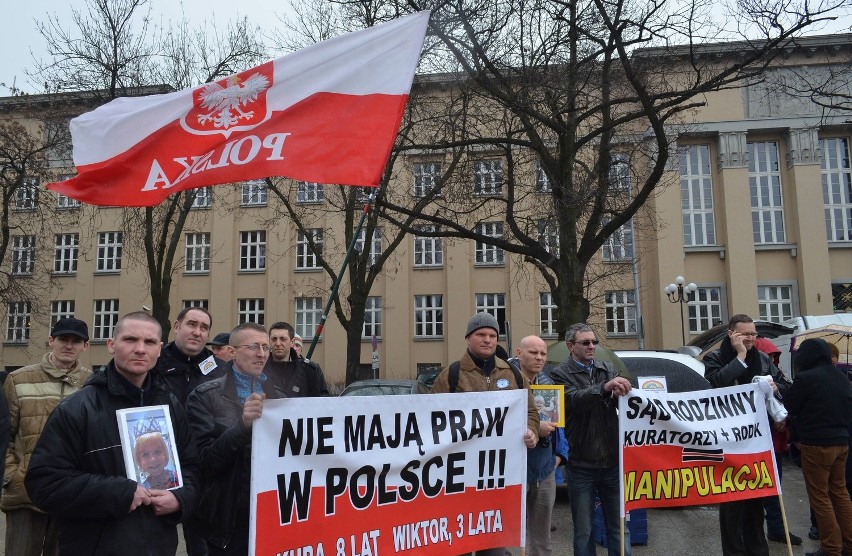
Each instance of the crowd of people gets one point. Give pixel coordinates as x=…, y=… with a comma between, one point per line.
x=66, y=490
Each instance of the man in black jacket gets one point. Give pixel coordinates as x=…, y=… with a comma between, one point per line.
x=297, y=377
x=77, y=471
x=592, y=389
x=187, y=362
x=821, y=401
x=222, y=412
x=737, y=361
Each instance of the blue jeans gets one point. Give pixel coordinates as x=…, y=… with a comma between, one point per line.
x=583, y=484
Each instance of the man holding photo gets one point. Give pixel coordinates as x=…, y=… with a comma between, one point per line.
x=77, y=472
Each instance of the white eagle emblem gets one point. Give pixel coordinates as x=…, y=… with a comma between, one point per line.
x=224, y=105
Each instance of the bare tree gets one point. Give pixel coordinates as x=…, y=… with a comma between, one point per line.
x=565, y=90
x=111, y=48
x=29, y=143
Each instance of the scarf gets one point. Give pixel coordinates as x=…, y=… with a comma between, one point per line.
x=248, y=385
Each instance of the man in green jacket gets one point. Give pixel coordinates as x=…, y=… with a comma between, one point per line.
x=32, y=393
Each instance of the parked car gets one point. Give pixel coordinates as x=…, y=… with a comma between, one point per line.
x=683, y=373
x=384, y=387
x=710, y=339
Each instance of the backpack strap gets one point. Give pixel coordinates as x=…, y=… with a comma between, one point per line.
x=453, y=376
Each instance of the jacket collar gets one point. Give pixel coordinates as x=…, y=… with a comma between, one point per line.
x=51, y=369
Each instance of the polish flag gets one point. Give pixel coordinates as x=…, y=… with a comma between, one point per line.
x=328, y=114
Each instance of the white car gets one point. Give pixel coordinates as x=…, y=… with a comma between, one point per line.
x=683, y=373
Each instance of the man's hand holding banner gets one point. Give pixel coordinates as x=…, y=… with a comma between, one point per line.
x=695, y=448
x=431, y=475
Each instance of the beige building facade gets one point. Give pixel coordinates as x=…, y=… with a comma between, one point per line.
x=755, y=209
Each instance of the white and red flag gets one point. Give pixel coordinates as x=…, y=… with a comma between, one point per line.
x=328, y=113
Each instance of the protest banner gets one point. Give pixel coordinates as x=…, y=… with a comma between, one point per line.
x=695, y=448
x=364, y=476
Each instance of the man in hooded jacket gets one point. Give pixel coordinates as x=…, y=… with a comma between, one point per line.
x=821, y=401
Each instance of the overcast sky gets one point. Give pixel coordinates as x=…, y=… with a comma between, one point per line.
x=20, y=37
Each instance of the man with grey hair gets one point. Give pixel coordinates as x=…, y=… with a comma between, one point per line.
x=592, y=389
x=480, y=370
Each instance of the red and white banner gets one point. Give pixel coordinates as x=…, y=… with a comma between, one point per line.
x=364, y=476
x=328, y=114
x=695, y=448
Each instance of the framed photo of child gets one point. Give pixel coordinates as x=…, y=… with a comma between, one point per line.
x=147, y=442
x=549, y=401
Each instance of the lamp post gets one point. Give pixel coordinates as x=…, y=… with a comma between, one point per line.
x=678, y=293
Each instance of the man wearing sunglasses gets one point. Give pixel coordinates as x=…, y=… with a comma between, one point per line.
x=592, y=389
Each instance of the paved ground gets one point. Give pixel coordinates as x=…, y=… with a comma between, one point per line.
x=674, y=532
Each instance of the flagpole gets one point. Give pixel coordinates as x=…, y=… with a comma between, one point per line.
x=333, y=295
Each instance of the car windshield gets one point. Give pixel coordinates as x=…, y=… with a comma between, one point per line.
x=378, y=390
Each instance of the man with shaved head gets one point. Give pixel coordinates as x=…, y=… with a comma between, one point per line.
x=77, y=472
x=542, y=459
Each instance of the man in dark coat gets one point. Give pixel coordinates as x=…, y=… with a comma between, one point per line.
x=297, y=377
x=592, y=389
x=186, y=362
x=821, y=401
x=738, y=361
x=221, y=413
x=77, y=472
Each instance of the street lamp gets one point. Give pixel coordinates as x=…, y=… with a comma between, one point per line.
x=678, y=293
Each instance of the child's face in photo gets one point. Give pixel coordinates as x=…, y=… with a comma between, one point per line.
x=152, y=458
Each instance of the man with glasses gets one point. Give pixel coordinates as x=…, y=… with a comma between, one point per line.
x=221, y=414
x=592, y=389
x=737, y=361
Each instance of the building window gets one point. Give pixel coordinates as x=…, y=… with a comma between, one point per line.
x=197, y=258
x=203, y=303
x=375, y=245
x=203, y=198
x=696, y=196
x=620, y=177
x=65, y=252
x=109, y=251
x=837, y=188
x=620, y=313
x=705, y=309
x=26, y=196
x=64, y=202
x=841, y=297
x=106, y=315
x=308, y=316
x=764, y=180
x=488, y=177
x=428, y=251
x=61, y=309
x=253, y=250
x=547, y=312
x=775, y=303
x=309, y=192
x=307, y=258
x=542, y=182
x=372, y=318
x=548, y=236
x=18, y=322
x=426, y=176
x=619, y=246
x=23, y=255
x=251, y=310
x=428, y=316
x=495, y=305
x=487, y=254
x=253, y=193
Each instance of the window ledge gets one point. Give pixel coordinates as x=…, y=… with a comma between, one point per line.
x=774, y=246
x=489, y=265
x=107, y=272
x=840, y=244
x=251, y=271
x=428, y=338
x=197, y=272
x=428, y=267
x=63, y=274
x=13, y=343
x=309, y=269
x=704, y=249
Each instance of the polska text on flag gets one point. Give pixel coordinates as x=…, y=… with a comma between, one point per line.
x=328, y=114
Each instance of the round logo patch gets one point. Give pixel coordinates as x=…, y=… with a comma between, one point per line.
x=502, y=383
